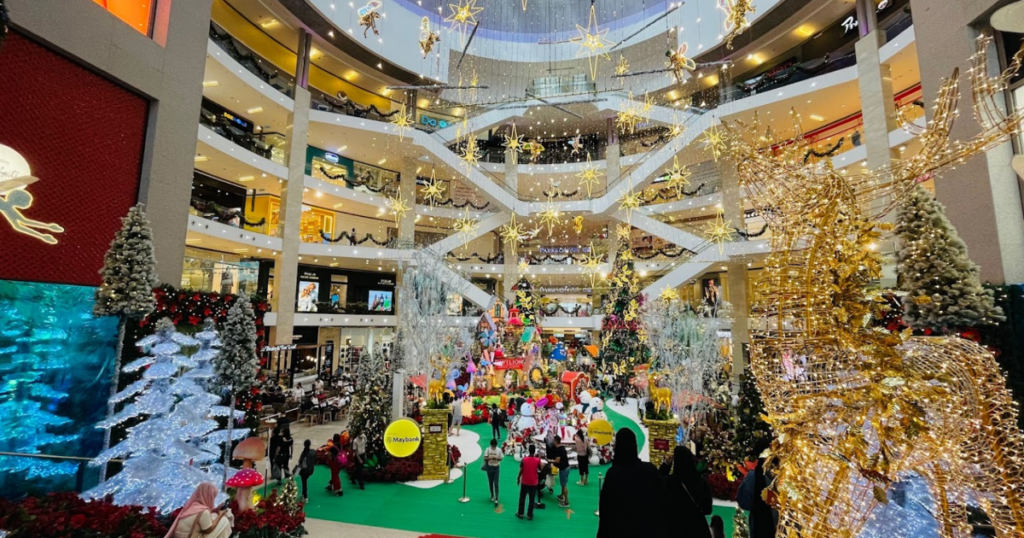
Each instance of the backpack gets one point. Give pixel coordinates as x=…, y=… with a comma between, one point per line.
x=307, y=462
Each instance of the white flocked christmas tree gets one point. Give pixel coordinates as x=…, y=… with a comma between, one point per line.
x=129, y=276
x=177, y=444
x=944, y=292
x=236, y=362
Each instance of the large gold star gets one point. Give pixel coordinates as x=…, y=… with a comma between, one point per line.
x=630, y=201
x=550, y=216
x=592, y=42
x=668, y=294
x=471, y=153
x=402, y=122
x=622, y=67
x=434, y=191
x=511, y=234
x=714, y=141
x=589, y=176
x=463, y=14
x=514, y=141
x=629, y=115
x=399, y=207
x=719, y=232
x=678, y=176
x=524, y=266
x=623, y=231
x=466, y=226
x=592, y=266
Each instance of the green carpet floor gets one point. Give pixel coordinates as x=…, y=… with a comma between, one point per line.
x=437, y=510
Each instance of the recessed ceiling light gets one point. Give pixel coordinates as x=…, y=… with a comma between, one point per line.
x=816, y=117
x=210, y=83
x=246, y=178
x=202, y=158
x=255, y=110
x=269, y=24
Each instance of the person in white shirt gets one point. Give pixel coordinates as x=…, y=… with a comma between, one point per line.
x=492, y=466
x=297, y=392
x=318, y=386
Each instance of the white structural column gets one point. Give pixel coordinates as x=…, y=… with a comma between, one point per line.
x=612, y=160
x=737, y=277
x=511, y=267
x=407, y=192
x=286, y=269
x=879, y=113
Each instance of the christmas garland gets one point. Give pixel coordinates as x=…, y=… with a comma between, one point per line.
x=251, y=224
x=352, y=239
x=785, y=74
x=660, y=194
x=450, y=202
x=497, y=258
x=228, y=44
x=749, y=235
x=353, y=183
x=668, y=252
x=830, y=152
x=552, y=309
x=560, y=193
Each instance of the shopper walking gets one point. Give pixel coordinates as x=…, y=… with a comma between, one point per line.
x=492, y=466
x=632, y=487
x=527, y=481
x=335, y=462
x=559, y=457
x=688, y=494
x=305, y=467
x=750, y=497
x=497, y=419
x=582, y=455
x=359, y=451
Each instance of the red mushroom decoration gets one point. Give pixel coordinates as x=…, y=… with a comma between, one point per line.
x=244, y=481
x=250, y=450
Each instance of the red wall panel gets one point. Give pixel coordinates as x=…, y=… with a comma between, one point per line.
x=83, y=137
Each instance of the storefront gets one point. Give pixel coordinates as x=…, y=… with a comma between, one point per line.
x=338, y=291
x=207, y=270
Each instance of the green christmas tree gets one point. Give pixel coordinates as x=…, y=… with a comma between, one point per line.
x=129, y=276
x=942, y=284
x=526, y=301
x=371, y=411
x=750, y=428
x=620, y=340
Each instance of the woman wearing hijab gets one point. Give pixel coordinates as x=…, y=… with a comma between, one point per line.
x=633, y=495
x=749, y=497
x=199, y=517
x=688, y=495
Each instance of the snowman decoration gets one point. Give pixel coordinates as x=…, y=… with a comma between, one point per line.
x=597, y=409
x=526, y=418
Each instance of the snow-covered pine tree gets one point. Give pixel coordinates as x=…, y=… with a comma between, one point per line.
x=177, y=444
x=371, y=406
x=129, y=276
x=942, y=283
x=237, y=364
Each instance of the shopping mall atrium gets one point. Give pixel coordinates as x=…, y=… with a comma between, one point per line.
x=709, y=268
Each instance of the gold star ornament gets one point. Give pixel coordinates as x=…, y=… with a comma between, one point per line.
x=471, y=153
x=589, y=176
x=550, y=216
x=434, y=191
x=592, y=41
x=719, y=232
x=466, y=227
x=668, y=294
x=630, y=201
x=512, y=234
x=678, y=176
x=399, y=207
x=514, y=141
x=714, y=141
x=402, y=122
x=622, y=67
x=463, y=14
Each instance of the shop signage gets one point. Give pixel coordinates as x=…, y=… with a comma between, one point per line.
x=308, y=275
x=386, y=282
x=331, y=157
x=509, y=364
x=436, y=123
x=565, y=250
x=434, y=428
x=660, y=444
x=565, y=289
x=283, y=347
x=851, y=22
x=402, y=437
x=600, y=431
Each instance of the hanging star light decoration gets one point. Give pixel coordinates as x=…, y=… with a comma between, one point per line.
x=629, y=115
x=622, y=67
x=511, y=234
x=402, y=122
x=466, y=227
x=474, y=82
x=513, y=141
x=463, y=14
x=714, y=141
x=678, y=176
x=471, y=153
x=736, y=21
x=668, y=294
x=399, y=207
x=592, y=266
x=589, y=176
x=630, y=201
x=592, y=41
x=524, y=266
x=719, y=232
x=434, y=191
x=524, y=4
x=550, y=216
